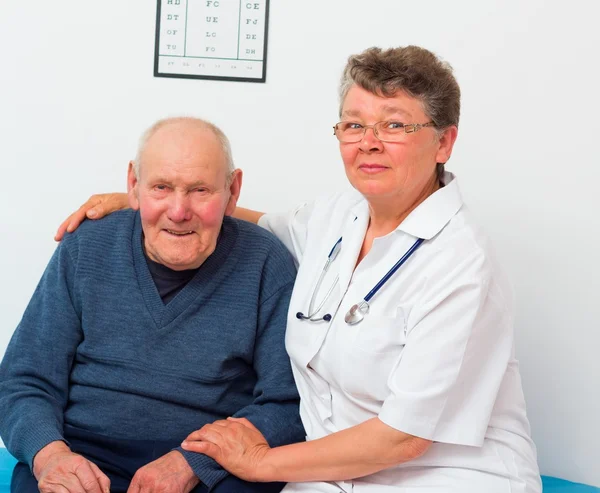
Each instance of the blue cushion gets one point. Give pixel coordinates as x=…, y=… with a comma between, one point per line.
x=551, y=485
x=555, y=485
x=7, y=463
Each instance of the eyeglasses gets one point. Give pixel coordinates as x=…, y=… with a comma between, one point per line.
x=349, y=132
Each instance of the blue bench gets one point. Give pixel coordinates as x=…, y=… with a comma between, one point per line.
x=551, y=485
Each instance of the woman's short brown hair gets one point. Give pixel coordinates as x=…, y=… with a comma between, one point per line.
x=411, y=69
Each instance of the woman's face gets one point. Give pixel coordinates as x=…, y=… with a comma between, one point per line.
x=394, y=170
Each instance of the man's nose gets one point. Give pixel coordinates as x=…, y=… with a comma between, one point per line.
x=179, y=209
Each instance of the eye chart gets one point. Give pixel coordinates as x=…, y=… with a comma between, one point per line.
x=212, y=39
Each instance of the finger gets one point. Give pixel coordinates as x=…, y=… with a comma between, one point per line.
x=52, y=488
x=199, y=434
x=100, y=209
x=210, y=434
x=194, y=435
x=223, y=423
x=62, y=229
x=101, y=477
x=245, y=422
x=95, y=213
x=76, y=219
x=88, y=209
x=87, y=478
x=70, y=483
x=206, y=448
x=134, y=486
x=60, y=482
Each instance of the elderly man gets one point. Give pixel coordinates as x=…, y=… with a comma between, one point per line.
x=148, y=325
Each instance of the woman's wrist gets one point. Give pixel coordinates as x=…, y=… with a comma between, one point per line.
x=266, y=472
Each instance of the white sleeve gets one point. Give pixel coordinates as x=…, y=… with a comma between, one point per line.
x=290, y=227
x=459, y=342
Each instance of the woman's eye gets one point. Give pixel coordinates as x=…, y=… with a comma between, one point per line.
x=395, y=125
x=354, y=126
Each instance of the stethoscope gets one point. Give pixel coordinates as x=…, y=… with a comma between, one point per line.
x=357, y=312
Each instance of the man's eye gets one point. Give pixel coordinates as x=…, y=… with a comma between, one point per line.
x=201, y=190
x=160, y=188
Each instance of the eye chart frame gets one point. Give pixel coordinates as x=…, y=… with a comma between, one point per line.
x=212, y=39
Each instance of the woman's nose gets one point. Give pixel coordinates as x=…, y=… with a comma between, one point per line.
x=370, y=142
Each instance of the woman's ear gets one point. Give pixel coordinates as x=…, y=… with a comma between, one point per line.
x=446, y=143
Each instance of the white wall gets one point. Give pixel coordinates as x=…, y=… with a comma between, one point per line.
x=76, y=89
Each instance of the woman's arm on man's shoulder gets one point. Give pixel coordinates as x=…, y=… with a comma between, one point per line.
x=95, y=207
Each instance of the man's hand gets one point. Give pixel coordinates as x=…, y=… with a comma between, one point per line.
x=58, y=470
x=169, y=474
x=96, y=206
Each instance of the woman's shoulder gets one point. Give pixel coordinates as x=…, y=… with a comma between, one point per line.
x=464, y=232
x=465, y=242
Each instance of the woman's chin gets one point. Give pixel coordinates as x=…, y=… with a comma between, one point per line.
x=373, y=189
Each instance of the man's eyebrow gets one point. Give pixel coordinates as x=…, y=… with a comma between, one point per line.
x=171, y=182
x=200, y=182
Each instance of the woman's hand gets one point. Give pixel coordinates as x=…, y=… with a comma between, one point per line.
x=236, y=444
x=97, y=206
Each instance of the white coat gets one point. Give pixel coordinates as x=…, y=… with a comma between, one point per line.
x=434, y=356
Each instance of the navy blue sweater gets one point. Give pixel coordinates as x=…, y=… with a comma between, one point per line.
x=98, y=349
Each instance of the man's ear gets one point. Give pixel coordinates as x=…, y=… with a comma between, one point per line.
x=235, y=187
x=132, y=187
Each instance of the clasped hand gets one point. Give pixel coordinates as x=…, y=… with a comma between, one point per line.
x=58, y=470
x=236, y=444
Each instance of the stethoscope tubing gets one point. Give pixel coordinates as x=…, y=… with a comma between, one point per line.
x=393, y=270
x=362, y=307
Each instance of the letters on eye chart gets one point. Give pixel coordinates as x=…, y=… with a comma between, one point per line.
x=212, y=39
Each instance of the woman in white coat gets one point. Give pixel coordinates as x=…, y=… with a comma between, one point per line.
x=400, y=330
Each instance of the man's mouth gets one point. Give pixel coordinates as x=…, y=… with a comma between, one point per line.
x=178, y=233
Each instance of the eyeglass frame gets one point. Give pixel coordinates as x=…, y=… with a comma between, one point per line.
x=408, y=128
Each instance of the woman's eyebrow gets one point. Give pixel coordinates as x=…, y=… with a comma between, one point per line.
x=396, y=110
x=352, y=113
x=388, y=110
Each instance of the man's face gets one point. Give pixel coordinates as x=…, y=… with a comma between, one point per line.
x=182, y=194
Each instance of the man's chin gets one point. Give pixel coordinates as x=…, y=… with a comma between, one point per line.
x=183, y=265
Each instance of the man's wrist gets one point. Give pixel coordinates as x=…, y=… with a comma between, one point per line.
x=43, y=455
x=193, y=480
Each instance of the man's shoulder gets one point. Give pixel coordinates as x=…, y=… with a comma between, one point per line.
x=108, y=225
x=259, y=237
x=256, y=245
x=101, y=233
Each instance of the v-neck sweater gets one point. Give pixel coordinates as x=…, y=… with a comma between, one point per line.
x=99, y=350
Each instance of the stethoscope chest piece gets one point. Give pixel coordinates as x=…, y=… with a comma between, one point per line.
x=357, y=313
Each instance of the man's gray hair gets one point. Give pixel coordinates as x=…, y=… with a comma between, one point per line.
x=147, y=135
